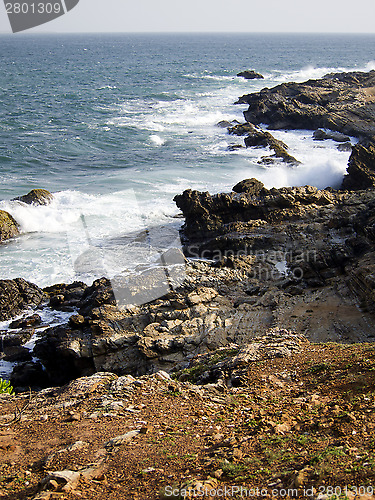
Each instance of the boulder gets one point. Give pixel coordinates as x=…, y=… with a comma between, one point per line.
x=17, y=295
x=29, y=374
x=36, y=197
x=65, y=353
x=15, y=354
x=8, y=226
x=251, y=186
x=250, y=75
x=361, y=169
x=224, y=124
x=96, y=295
x=323, y=135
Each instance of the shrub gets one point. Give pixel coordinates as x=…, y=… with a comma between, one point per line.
x=5, y=387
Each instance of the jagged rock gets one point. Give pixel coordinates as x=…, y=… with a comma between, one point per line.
x=209, y=216
x=361, y=169
x=26, y=322
x=36, y=197
x=256, y=137
x=227, y=363
x=250, y=75
x=98, y=294
x=9, y=227
x=121, y=440
x=235, y=147
x=260, y=138
x=86, y=385
x=16, y=295
x=66, y=297
x=342, y=102
x=243, y=129
x=345, y=146
x=14, y=339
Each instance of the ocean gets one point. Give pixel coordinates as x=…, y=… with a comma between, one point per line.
x=116, y=125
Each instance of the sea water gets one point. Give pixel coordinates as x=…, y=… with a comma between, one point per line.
x=117, y=125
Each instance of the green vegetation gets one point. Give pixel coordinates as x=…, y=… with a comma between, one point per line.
x=5, y=387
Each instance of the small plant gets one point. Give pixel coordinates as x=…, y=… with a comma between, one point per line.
x=320, y=367
x=232, y=469
x=5, y=387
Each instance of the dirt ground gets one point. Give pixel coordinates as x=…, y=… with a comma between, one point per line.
x=299, y=427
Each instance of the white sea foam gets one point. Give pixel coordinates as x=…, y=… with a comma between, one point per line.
x=204, y=76
x=311, y=72
x=157, y=140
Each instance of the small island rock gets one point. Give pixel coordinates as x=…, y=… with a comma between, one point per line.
x=250, y=75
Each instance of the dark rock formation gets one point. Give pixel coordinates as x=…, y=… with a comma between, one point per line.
x=65, y=354
x=255, y=137
x=8, y=226
x=15, y=354
x=98, y=294
x=29, y=374
x=343, y=102
x=250, y=75
x=66, y=297
x=26, y=322
x=361, y=169
x=17, y=295
x=235, y=147
x=36, y=197
x=323, y=135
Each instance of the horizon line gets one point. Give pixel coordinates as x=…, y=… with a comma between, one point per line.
x=30, y=32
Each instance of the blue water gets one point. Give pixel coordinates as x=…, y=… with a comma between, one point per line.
x=116, y=125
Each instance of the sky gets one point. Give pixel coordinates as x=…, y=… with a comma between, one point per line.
x=343, y=16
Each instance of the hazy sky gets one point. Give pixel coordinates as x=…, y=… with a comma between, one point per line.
x=346, y=16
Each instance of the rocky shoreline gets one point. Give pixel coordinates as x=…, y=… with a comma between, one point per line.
x=268, y=271
x=296, y=258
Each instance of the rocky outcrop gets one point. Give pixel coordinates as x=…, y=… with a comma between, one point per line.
x=250, y=74
x=8, y=226
x=137, y=340
x=208, y=216
x=255, y=137
x=361, y=169
x=36, y=197
x=17, y=295
x=230, y=364
x=342, y=102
